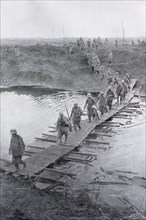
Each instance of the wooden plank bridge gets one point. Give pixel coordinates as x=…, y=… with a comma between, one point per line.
x=46, y=151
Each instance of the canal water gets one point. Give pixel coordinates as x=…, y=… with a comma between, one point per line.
x=31, y=111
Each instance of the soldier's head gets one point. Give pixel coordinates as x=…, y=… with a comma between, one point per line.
x=89, y=95
x=101, y=93
x=75, y=105
x=116, y=74
x=109, y=88
x=123, y=82
x=61, y=114
x=13, y=132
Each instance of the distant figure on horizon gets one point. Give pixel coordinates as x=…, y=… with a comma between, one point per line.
x=16, y=149
x=116, y=43
x=110, y=57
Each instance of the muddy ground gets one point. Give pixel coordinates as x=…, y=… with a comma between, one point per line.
x=42, y=64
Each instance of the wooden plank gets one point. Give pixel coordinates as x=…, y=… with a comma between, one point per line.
x=86, y=154
x=45, y=139
x=102, y=134
x=41, y=160
x=121, y=117
x=49, y=175
x=58, y=171
x=49, y=135
x=76, y=160
x=45, y=186
x=96, y=142
x=39, y=144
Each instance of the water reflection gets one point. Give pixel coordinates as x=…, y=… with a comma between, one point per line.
x=32, y=112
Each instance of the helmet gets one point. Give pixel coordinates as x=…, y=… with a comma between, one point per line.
x=61, y=113
x=88, y=94
x=13, y=131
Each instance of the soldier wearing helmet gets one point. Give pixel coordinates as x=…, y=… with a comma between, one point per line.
x=110, y=97
x=89, y=104
x=62, y=127
x=102, y=103
x=17, y=148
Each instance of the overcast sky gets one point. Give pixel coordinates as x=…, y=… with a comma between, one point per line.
x=72, y=18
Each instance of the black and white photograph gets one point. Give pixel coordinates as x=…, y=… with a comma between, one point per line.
x=73, y=110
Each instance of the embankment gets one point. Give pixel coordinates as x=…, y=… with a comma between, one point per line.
x=51, y=66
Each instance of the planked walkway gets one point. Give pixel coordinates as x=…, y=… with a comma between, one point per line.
x=53, y=152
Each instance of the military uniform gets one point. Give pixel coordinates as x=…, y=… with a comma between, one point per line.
x=110, y=96
x=76, y=117
x=110, y=57
x=89, y=103
x=102, y=104
x=62, y=127
x=124, y=91
x=17, y=148
x=119, y=92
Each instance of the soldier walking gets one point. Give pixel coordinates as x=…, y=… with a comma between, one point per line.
x=76, y=114
x=16, y=149
x=102, y=103
x=110, y=97
x=89, y=104
x=119, y=92
x=110, y=57
x=62, y=127
x=125, y=90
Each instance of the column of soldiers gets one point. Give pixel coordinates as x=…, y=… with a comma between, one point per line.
x=102, y=104
x=95, y=106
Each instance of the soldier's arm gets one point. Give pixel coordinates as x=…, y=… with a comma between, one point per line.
x=22, y=144
x=10, y=149
x=57, y=124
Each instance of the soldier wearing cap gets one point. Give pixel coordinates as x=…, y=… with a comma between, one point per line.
x=16, y=149
x=110, y=97
x=76, y=114
x=62, y=127
x=89, y=104
x=102, y=103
